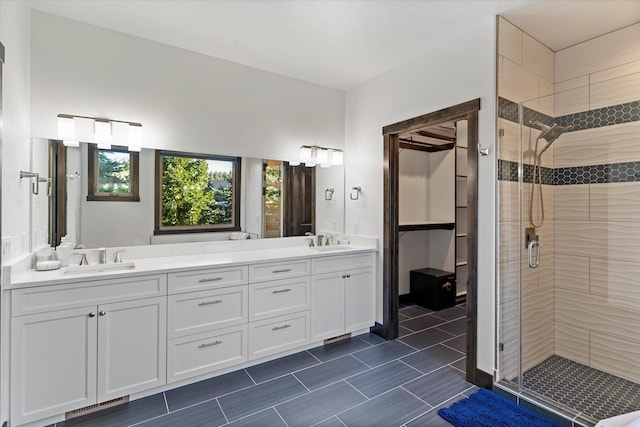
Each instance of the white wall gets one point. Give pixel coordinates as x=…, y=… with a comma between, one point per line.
x=14, y=34
x=462, y=68
x=15, y=125
x=185, y=101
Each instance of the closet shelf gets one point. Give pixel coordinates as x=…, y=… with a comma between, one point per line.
x=461, y=207
x=461, y=263
x=461, y=235
x=461, y=176
x=427, y=225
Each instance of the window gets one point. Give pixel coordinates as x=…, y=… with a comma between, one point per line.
x=113, y=174
x=196, y=193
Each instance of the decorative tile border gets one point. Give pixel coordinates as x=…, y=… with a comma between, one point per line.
x=508, y=171
x=598, y=174
x=605, y=116
x=595, y=174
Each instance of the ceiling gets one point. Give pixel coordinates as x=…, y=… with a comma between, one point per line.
x=337, y=43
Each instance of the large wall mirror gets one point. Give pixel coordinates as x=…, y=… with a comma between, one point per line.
x=97, y=208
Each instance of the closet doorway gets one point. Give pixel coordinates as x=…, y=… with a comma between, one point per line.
x=449, y=208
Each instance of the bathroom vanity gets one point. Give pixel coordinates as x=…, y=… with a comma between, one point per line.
x=85, y=338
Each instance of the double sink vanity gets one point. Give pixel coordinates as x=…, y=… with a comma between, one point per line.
x=174, y=314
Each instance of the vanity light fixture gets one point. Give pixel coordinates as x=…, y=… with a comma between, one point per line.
x=67, y=131
x=312, y=155
x=104, y=132
x=135, y=136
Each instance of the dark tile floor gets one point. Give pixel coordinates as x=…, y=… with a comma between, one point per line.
x=362, y=381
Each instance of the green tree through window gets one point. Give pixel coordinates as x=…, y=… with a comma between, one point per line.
x=198, y=192
x=114, y=175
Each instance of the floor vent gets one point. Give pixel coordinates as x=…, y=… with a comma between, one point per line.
x=338, y=338
x=95, y=408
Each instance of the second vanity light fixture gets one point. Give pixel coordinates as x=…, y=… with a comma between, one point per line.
x=312, y=155
x=103, y=132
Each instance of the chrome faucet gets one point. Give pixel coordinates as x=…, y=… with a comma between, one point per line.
x=117, y=258
x=102, y=255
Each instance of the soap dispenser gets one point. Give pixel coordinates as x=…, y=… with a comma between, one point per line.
x=63, y=251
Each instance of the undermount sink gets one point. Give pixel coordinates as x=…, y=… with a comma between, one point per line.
x=329, y=248
x=97, y=268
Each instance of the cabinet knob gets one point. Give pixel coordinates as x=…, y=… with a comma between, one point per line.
x=102, y=313
x=447, y=286
x=92, y=314
x=348, y=275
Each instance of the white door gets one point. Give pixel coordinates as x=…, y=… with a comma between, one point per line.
x=360, y=299
x=327, y=306
x=53, y=363
x=132, y=343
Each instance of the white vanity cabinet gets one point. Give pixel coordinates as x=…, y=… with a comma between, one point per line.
x=88, y=352
x=342, y=295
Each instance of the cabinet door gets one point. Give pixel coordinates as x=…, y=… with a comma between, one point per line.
x=53, y=363
x=132, y=344
x=327, y=306
x=360, y=303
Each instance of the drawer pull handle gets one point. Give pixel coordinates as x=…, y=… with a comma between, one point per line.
x=211, y=279
x=218, y=301
x=209, y=344
x=284, y=270
x=280, y=291
x=277, y=328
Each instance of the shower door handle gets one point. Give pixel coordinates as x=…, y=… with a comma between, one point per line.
x=534, y=244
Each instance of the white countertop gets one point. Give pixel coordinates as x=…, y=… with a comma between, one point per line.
x=174, y=263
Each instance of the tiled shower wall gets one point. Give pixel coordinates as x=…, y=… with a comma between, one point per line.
x=525, y=74
x=597, y=203
x=583, y=302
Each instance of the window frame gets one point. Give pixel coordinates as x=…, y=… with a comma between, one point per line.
x=93, y=195
x=160, y=229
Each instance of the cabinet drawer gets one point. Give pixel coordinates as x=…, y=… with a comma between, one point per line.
x=341, y=263
x=196, y=312
x=203, y=353
x=278, y=334
x=271, y=299
x=59, y=297
x=278, y=270
x=200, y=280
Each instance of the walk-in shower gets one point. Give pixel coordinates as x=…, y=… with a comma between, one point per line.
x=568, y=331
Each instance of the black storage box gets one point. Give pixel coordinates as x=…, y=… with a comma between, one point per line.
x=432, y=288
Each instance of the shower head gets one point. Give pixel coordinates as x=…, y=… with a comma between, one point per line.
x=551, y=133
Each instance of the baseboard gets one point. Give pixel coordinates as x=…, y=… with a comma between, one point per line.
x=376, y=329
x=484, y=379
x=405, y=299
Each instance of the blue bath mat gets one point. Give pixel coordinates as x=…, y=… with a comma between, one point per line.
x=484, y=408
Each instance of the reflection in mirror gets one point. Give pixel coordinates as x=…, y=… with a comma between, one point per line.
x=93, y=224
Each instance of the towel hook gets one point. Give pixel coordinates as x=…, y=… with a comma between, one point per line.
x=357, y=190
x=328, y=193
x=35, y=186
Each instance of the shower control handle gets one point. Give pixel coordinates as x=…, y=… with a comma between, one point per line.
x=534, y=244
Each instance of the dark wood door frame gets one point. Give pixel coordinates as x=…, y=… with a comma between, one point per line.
x=389, y=329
